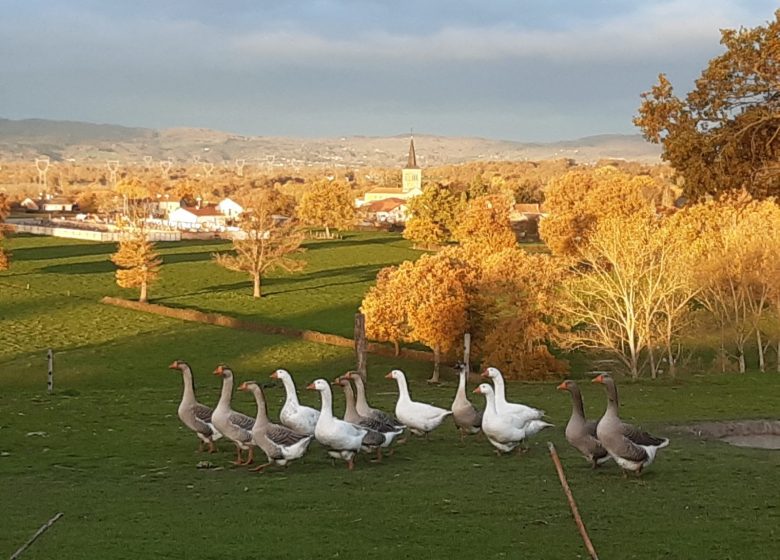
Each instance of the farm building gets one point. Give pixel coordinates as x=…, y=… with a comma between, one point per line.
x=206, y=218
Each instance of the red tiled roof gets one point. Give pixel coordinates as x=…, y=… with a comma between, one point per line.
x=385, y=205
x=205, y=211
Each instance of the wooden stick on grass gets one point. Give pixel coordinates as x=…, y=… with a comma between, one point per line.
x=37, y=534
x=572, y=504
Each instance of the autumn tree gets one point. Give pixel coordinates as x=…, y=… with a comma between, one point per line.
x=265, y=241
x=514, y=308
x=328, y=204
x=485, y=223
x=577, y=201
x=4, y=211
x=627, y=293
x=725, y=134
x=433, y=216
x=139, y=264
x=384, y=306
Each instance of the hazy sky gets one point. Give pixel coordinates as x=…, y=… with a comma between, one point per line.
x=514, y=69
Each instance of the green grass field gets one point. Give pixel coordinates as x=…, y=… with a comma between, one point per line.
x=114, y=458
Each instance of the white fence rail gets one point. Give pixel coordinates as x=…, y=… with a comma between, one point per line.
x=90, y=235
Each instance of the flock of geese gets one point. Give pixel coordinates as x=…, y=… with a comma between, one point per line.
x=506, y=425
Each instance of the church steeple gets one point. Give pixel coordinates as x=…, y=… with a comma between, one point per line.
x=411, y=163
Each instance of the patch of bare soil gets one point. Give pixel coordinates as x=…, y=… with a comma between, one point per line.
x=762, y=434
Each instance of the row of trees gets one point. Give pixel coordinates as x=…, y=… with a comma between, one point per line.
x=623, y=278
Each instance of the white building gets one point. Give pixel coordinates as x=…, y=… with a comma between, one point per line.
x=230, y=208
x=207, y=218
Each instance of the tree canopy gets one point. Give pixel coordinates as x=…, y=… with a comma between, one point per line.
x=725, y=134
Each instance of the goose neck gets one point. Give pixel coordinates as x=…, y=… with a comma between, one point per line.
x=289, y=389
x=577, y=408
x=326, y=409
x=189, y=386
x=227, y=391
x=262, y=412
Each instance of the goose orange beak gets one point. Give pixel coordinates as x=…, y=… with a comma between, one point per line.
x=389, y=375
x=563, y=386
x=484, y=374
x=243, y=387
x=477, y=390
x=598, y=379
x=174, y=365
x=274, y=376
x=311, y=386
x=218, y=371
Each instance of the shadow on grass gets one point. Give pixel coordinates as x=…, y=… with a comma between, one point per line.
x=352, y=240
x=63, y=251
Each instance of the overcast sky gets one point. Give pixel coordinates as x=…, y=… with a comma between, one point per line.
x=536, y=70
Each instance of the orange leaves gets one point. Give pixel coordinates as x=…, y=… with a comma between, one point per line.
x=265, y=240
x=485, y=223
x=138, y=263
x=328, y=204
x=433, y=216
x=577, y=201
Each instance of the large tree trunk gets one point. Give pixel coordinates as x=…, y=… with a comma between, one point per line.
x=256, y=286
x=142, y=297
x=327, y=232
x=435, y=377
x=653, y=367
x=760, y=344
x=397, y=348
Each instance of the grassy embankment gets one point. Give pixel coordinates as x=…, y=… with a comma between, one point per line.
x=115, y=459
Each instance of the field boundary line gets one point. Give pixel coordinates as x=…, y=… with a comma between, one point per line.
x=220, y=320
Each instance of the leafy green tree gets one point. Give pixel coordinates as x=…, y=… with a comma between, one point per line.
x=725, y=134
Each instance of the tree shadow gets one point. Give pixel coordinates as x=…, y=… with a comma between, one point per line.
x=63, y=251
x=353, y=240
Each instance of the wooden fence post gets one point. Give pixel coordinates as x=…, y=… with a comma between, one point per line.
x=50, y=382
x=360, y=344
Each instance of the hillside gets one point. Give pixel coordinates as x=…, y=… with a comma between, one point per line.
x=87, y=142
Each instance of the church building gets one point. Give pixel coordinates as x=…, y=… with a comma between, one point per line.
x=411, y=182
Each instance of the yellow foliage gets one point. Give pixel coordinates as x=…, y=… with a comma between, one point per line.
x=328, y=204
x=485, y=223
x=576, y=202
x=138, y=263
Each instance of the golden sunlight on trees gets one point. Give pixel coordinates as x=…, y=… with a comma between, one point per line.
x=328, y=204
x=486, y=224
x=512, y=309
x=725, y=134
x=578, y=200
x=433, y=216
x=739, y=241
x=627, y=293
x=264, y=241
x=385, y=308
x=139, y=264
x=4, y=210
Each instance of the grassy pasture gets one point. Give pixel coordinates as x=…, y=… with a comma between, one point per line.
x=115, y=459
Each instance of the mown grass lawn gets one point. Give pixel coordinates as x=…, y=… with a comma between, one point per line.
x=114, y=458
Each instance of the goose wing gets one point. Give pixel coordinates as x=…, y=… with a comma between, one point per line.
x=637, y=436
x=242, y=420
x=283, y=436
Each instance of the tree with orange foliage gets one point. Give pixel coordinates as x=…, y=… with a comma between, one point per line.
x=577, y=201
x=485, y=223
x=265, y=241
x=139, y=264
x=512, y=320
x=433, y=215
x=384, y=306
x=328, y=204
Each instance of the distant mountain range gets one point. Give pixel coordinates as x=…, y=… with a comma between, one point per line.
x=95, y=143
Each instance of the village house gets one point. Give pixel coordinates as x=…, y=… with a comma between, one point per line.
x=207, y=218
x=525, y=218
x=55, y=204
x=229, y=208
x=388, y=210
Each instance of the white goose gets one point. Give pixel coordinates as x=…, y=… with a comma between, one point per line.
x=505, y=431
x=524, y=412
x=280, y=444
x=342, y=439
x=194, y=415
x=420, y=418
x=387, y=432
x=294, y=415
x=235, y=426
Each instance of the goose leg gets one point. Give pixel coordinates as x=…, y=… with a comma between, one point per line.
x=261, y=467
x=351, y=463
x=212, y=446
x=250, y=456
x=378, y=458
x=239, y=458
